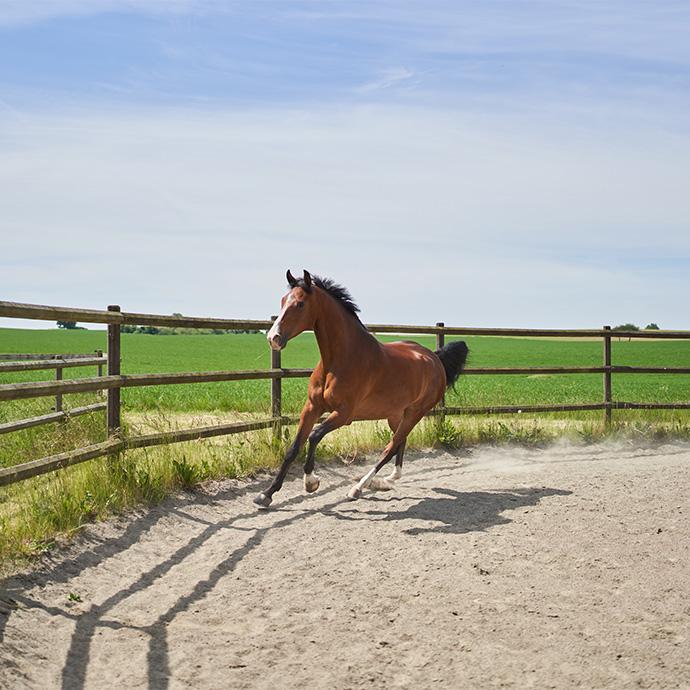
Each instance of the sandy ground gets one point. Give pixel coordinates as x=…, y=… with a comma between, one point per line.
x=555, y=568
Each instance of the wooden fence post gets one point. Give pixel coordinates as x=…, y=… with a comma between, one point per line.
x=607, y=377
x=113, y=370
x=440, y=342
x=58, y=396
x=276, y=394
x=99, y=353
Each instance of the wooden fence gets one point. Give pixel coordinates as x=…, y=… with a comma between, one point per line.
x=35, y=362
x=114, y=381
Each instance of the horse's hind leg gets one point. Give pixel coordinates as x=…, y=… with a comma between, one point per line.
x=397, y=470
x=335, y=419
x=369, y=480
x=394, y=423
x=377, y=484
x=386, y=484
x=410, y=418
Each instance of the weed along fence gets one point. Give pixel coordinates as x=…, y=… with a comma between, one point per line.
x=113, y=381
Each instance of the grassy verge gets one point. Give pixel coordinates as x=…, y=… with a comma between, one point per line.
x=38, y=513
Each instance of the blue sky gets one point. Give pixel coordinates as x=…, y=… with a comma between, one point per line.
x=483, y=163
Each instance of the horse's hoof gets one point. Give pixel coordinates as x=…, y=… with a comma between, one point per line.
x=263, y=501
x=311, y=483
x=354, y=493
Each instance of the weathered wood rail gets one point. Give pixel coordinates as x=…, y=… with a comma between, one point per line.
x=114, y=381
x=14, y=362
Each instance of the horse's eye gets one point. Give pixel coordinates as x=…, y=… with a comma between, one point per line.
x=300, y=305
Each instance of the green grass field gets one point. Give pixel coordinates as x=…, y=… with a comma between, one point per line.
x=151, y=353
x=34, y=512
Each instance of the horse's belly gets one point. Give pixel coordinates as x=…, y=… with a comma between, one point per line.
x=371, y=413
x=381, y=406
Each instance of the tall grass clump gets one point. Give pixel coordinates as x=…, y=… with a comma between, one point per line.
x=37, y=512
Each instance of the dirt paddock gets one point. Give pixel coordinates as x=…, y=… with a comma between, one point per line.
x=553, y=568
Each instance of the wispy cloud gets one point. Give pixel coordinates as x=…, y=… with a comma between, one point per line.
x=501, y=221
x=452, y=52
x=387, y=79
x=18, y=12
x=514, y=156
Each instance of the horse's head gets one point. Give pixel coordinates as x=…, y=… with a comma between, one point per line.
x=297, y=311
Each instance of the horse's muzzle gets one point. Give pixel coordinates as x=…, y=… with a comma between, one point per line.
x=277, y=342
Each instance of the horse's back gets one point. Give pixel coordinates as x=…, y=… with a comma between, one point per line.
x=409, y=375
x=402, y=352
x=382, y=384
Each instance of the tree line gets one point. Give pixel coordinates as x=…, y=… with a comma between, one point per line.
x=163, y=330
x=166, y=330
x=633, y=327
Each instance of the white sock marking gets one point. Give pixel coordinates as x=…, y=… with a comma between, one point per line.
x=366, y=479
x=395, y=474
x=310, y=480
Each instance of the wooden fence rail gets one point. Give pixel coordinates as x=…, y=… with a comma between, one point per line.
x=13, y=362
x=57, y=416
x=17, y=391
x=20, y=356
x=54, y=363
x=114, y=381
x=46, y=313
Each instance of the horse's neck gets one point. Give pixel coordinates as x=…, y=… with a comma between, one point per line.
x=340, y=337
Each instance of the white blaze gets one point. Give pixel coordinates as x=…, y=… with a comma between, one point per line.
x=275, y=328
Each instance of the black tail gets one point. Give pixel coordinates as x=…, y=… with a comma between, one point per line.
x=453, y=357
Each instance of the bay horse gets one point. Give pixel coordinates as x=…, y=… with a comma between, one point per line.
x=357, y=378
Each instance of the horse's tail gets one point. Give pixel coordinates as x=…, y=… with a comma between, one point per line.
x=453, y=357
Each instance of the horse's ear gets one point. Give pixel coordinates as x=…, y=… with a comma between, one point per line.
x=292, y=281
x=307, y=279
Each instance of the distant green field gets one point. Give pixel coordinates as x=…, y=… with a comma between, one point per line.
x=156, y=353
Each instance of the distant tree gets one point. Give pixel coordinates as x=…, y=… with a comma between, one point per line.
x=651, y=327
x=626, y=327
x=178, y=330
x=71, y=325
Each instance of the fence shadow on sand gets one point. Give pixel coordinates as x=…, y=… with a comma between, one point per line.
x=455, y=512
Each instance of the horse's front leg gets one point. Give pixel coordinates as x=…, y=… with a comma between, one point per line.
x=307, y=420
x=336, y=419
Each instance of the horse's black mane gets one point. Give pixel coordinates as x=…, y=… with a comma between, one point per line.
x=342, y=294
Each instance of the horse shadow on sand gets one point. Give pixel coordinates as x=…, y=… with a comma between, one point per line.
x=455, y=512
